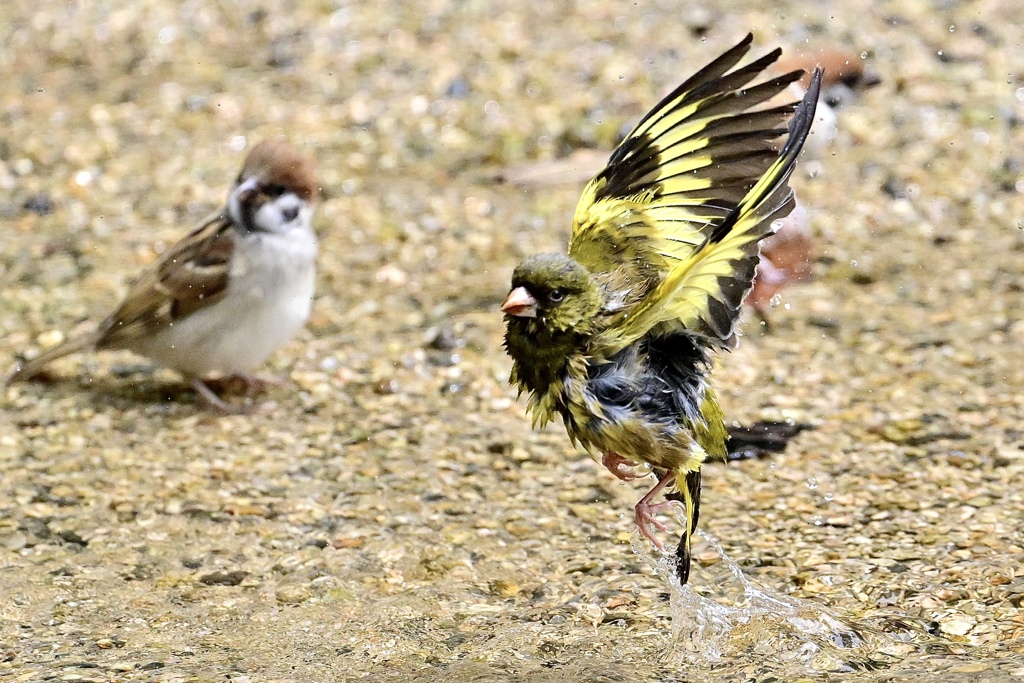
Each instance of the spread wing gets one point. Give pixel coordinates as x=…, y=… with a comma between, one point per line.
x=189, y=276
x=703, y=290
x=681, y=172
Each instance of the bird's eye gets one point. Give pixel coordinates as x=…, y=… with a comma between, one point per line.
x=274, y=190
x=290, y=213
x=556, y=295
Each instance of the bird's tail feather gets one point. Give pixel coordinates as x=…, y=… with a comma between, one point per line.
x=690, y=494
x=33, y=367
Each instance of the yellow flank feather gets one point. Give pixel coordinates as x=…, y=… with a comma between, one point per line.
x=712, y=434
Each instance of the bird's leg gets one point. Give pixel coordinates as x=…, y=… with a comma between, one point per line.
x=645, y=510
x=622, y=468
x=211, y=400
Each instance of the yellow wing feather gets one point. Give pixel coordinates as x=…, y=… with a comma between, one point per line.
x=682, y=168
x=703, y=290
x=702, y=158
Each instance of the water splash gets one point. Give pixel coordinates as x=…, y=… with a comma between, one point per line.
x=742, y=624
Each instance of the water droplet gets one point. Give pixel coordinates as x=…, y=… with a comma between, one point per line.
x=775, y=300
x=853, y=263
x=818, y=520
x=863, y=55
x=952, y=28
x=812, y=483
x=788, y=306
x=167, y=35
x=829, y=496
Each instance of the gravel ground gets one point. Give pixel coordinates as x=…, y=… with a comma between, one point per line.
x=387, y=514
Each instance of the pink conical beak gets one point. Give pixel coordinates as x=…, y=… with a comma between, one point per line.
x=520, y=303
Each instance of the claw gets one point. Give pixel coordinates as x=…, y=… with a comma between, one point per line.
x=622, y=468
x=242, y=384
x=645, y=511
x=209, y=399
x=645, y=519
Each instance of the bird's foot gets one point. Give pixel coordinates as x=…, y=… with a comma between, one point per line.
x=645, y=518
x=210, y=400
x=246, y=385
x=621, y=467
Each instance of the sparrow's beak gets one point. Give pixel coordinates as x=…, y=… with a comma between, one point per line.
x=520, y=303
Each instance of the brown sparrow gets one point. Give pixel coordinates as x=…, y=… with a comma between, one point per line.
x=230, y=292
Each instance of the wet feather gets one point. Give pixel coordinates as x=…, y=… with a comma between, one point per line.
x=617, y=336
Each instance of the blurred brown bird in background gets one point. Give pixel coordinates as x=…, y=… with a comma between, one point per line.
x=229, y=293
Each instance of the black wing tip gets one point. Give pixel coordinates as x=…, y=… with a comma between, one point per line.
x=788, y=77
x=709, y=72
x=772, y=56
x=800, y=124
x=803, y=117
x=799, y=129
x=741, y=47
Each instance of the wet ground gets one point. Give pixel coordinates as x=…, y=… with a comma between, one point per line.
x=387, y=514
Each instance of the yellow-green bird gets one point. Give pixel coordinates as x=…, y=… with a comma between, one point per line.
x=617, y=336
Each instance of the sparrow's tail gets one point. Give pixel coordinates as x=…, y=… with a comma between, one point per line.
x=33, y=367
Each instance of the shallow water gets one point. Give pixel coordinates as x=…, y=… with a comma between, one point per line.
x=730, y=625
x=736, y=618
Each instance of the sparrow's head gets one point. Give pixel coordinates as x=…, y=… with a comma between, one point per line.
x=554, y=292
x=274, y=192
